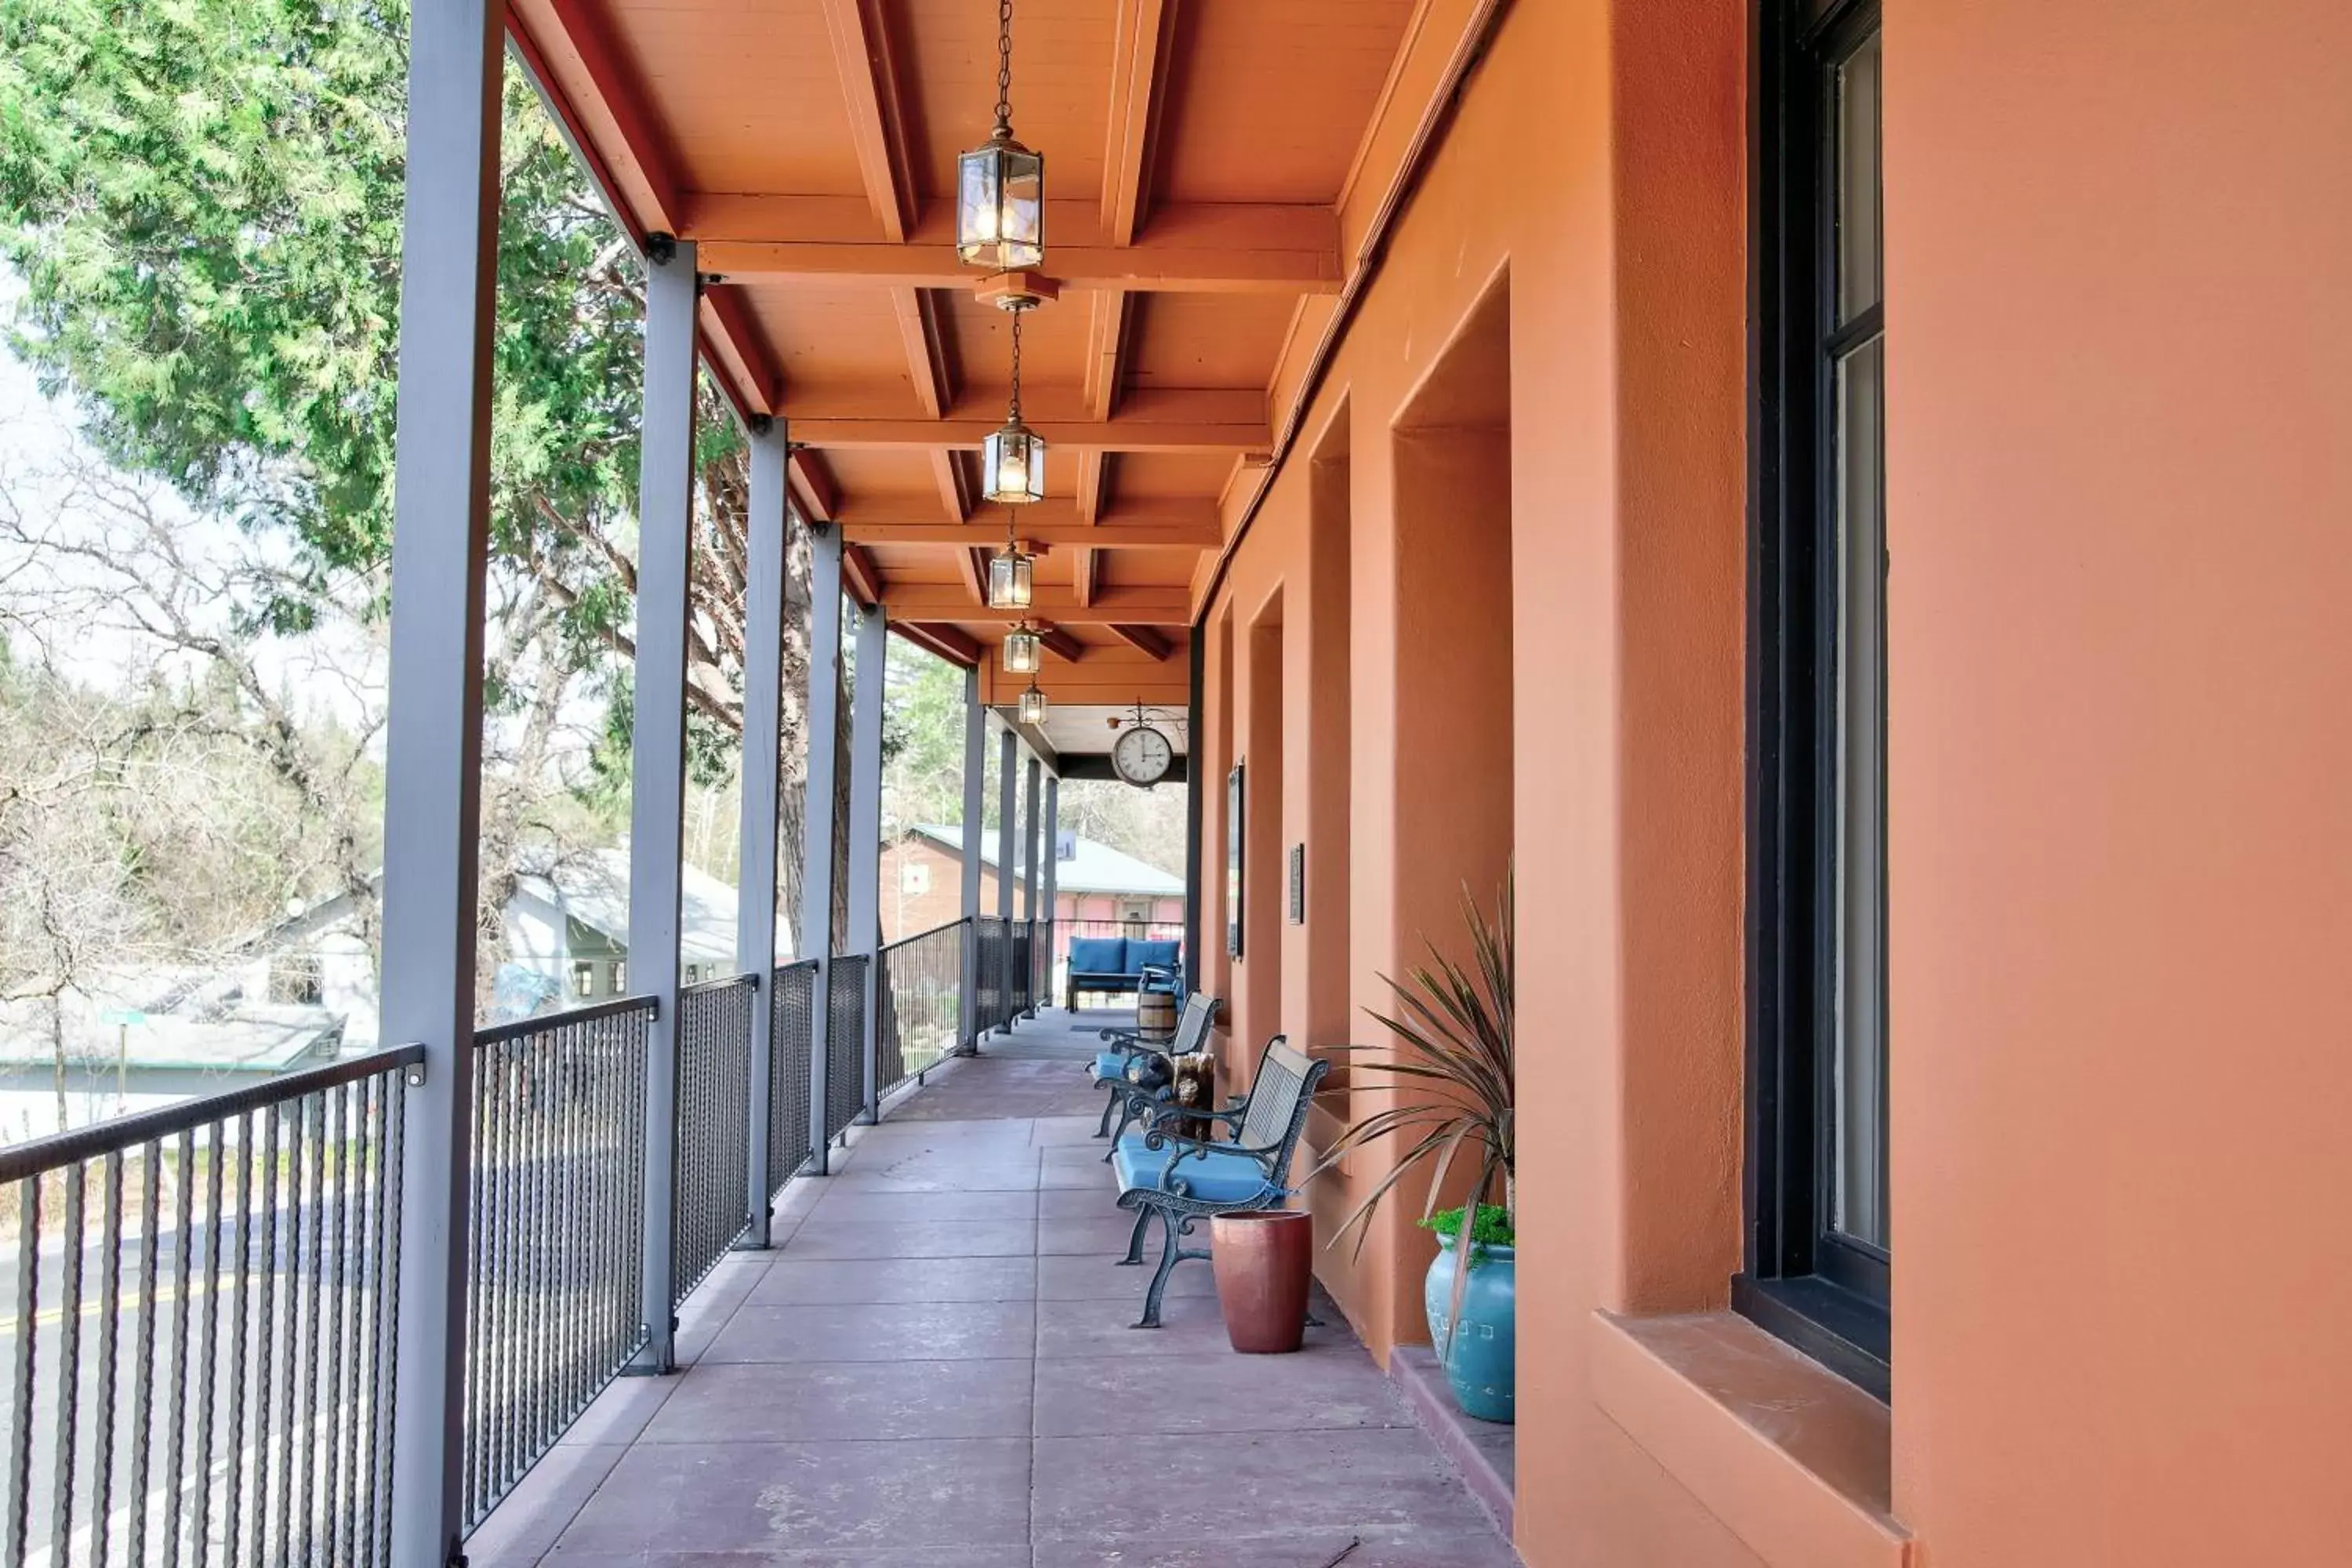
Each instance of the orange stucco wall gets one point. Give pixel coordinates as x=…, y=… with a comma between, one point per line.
x=2120, y=504
x=2120, y=530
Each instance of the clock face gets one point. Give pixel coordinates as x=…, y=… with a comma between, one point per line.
x=1143, y=755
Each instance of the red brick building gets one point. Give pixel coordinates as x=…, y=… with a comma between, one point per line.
x=1096, y=889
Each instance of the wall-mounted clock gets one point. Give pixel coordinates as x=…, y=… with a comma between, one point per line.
x=1142, y=756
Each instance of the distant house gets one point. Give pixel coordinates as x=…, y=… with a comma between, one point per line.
x=1094, y=884
x=305, y=991
x=567, y=938
x=139, y=1041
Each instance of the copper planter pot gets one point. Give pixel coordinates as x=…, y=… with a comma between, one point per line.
x=1262, y=1263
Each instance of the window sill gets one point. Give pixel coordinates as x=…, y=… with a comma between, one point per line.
x=1792, y=1457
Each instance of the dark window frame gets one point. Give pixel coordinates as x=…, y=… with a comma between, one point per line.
x=1824, y=1293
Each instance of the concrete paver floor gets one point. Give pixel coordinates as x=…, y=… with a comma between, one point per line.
x=934, y=1367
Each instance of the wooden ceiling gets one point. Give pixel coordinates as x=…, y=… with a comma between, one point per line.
x=1209, y=164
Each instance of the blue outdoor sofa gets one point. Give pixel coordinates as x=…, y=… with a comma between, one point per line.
x=1120, y=966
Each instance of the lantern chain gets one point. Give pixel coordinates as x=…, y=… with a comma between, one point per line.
x=1005, y=69
x=1017, y=364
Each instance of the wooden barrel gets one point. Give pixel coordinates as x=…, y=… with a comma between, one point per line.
x=1155, y=1015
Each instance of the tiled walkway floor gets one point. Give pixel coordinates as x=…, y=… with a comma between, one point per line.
x=935, y=1368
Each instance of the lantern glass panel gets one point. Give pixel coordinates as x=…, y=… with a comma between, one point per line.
x=1033, y=707
x=1021, y=653
x=1012, y=581
x=1012, y=464
x=1001, y=207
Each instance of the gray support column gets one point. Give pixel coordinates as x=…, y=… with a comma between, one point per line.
x=449, y=250
x=975, y=792
x=1029, y=882
x=658, y=744
x=768, y=527
x=1008, y=819
x=865, y=934
x=815, y=929
x=1052, y=860
x=1029, y=826
x=1008, y=822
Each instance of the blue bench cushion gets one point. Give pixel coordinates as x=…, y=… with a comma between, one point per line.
x=1158, y=955
x=1098, y=955
x=1224, y=1176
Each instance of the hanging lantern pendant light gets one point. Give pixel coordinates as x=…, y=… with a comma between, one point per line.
x=1021, y=649
x=1001, y=185
x=1013, y=460
x=1033, y=705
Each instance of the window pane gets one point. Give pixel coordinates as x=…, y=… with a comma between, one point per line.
x=1858, y=1112
x=1858, y=244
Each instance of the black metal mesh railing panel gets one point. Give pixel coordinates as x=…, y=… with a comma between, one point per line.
x=714, y=1126
x=845, y=1052
x=990, y=992
x=202, y=1320
x=921, y=993
x=792, y=1003
x=556, y=1243
x=1020, y=945
x=1040, y=964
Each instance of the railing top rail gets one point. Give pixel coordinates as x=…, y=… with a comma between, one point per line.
x=44, y=1154
x=725, y=982
x=808, y=963
x=522, y=1028
x=919, y=935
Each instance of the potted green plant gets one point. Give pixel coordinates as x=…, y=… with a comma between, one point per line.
x=1454, y=1024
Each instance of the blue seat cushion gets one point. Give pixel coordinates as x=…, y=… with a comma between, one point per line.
x=1098, y=955
x=1161, y=954
x=1224, y=1176
x=1110, y=1064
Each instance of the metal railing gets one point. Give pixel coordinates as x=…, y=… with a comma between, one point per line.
x=1040, y=964
x=556, y=1248
x=919, y=988
x=1020, y=968
x=990, y=947
x=792, y=1003
x=714, y=1125
x=207, y=1297
x=202, y=1349
x=845, y=1053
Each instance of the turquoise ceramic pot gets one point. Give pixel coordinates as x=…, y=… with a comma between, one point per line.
x=1484, y=1365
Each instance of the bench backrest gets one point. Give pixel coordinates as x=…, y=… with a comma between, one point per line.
x=1279, y=1096
x=1192, y=1027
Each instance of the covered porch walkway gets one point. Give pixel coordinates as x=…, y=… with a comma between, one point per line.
x=933, y=1366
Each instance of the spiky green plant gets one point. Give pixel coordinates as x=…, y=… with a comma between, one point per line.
x=1455, y=1066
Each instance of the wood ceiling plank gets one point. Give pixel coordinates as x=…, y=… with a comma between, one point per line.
x=957, y=648
x=1165, y=685
x=1144, y=268
x=869, y=88
x=970, y=537
x=860, y=575
x=1143, y=639
x=1141, y=30
x=990, y=519
x=1133, y=606
x=764, y=217
x=1122, y=435
x=814, y=491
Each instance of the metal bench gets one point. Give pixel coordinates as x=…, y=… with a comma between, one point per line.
x=1123, y=1047
x=1186, y=1180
